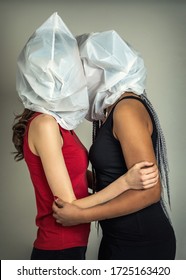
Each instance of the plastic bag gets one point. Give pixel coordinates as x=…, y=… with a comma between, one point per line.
x=111, y=67
x=50, y=77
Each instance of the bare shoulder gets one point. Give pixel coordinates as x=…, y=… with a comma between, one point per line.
x=130, y=113
x=44, y=134
x=44, y=123
x=44, y=119
x=130, y=108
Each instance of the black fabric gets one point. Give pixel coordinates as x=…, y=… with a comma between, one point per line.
x=146, y=234
x=75, y=253
x=106, y=154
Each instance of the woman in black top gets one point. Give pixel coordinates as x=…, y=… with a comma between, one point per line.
x=135, y=224
x=147, y=233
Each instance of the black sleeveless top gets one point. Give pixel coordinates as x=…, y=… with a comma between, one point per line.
x=106, y=154
x=127, y=235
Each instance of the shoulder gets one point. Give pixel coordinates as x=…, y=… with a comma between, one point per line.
x=44, y=134
x=44, y=119
x=130, y=114
x=130, y=108
x=44, y=123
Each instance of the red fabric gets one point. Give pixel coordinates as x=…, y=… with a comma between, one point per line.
x=50, y=235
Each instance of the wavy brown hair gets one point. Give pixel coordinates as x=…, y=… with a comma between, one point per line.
x=19, y=128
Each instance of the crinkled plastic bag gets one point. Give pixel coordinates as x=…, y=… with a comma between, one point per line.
x=111, y=67
x=50, y=77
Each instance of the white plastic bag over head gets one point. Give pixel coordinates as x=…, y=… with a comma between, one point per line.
x=50, y=77
x=111, y=67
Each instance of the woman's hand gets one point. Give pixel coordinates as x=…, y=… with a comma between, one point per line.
x=67, y=214
x=142, y=175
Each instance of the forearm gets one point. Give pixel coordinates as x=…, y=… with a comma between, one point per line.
x=142, y=175
x=111, y=191
x=127, y=203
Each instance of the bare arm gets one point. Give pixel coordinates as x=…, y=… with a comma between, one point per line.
x=46, y=142
x=141, y=176
x=134, y=134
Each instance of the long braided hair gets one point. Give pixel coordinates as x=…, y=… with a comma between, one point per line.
x=161, y=155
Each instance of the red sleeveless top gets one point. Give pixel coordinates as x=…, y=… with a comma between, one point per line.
x=51, y=235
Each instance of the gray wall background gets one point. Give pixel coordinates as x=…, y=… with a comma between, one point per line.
x=157, y=30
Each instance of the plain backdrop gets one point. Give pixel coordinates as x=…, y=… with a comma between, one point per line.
x=157, y=30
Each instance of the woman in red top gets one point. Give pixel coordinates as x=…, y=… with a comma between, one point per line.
x=52, y=87
x=57, y=162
